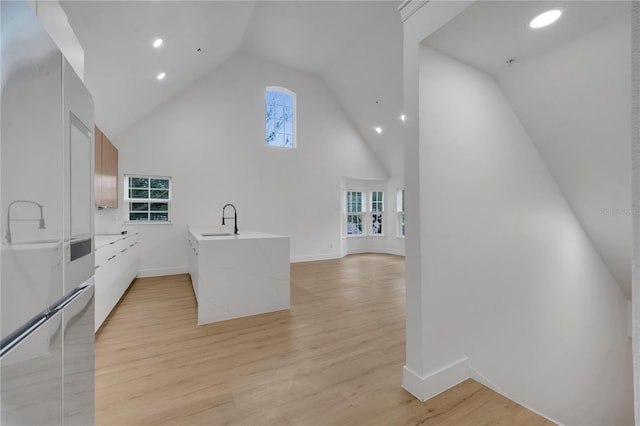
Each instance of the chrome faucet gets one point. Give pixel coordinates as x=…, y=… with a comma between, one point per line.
x=235, y=218
x=41, y=220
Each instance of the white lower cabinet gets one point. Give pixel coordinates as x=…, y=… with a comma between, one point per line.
x=116, y=267
x=193, y=264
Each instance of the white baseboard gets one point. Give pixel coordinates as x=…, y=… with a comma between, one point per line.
x=480, y=378
x=159, y=272
x=314, y=257
x=427, y=387
x=374, y=250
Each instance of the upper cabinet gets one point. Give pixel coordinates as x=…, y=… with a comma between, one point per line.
x=106, y=175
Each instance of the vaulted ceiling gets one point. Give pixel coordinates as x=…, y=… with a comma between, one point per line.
x=570, y=86
x=354, y=46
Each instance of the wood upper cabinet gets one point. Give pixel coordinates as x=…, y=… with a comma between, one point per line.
x=106, y=174
x=98, y=167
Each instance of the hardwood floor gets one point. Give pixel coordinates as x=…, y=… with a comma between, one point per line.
x=334, y=358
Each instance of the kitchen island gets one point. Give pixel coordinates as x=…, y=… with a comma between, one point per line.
x=235, y=276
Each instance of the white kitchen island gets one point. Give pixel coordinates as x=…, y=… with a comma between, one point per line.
x=238, y=275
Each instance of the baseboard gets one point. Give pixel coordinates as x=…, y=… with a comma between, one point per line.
x=159, y=272
x=374, y=250
x=315, y=257
x=478, y=377
x=427, y=387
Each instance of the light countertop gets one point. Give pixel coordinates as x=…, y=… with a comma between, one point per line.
x=197, y=231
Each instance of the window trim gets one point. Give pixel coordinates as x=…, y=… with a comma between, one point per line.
x=362, y=213
x=381, y=213
x=366, y=213
x=401, y=211
x=127, y=201
x=294, y=121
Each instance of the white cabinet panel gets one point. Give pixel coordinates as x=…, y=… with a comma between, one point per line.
x=193, y=265
x=116, y=267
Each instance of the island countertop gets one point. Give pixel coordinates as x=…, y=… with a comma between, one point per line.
x=197, y=230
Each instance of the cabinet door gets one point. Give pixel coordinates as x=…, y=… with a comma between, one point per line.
x=98, y=167
x=109, y=173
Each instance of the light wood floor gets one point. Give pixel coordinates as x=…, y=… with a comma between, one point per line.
x=335, y=358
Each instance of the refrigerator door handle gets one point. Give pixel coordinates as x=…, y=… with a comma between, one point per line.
x=12, y=340
x=60, y=304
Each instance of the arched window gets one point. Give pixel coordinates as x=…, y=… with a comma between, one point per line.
x=280, y=117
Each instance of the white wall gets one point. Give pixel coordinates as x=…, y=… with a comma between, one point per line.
x=512, y=291
x=635, y=187
x=210, y=140
x=584, y=134
x=54, y=19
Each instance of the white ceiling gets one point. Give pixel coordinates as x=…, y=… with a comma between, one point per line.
x=355, y=46
x=489, y=33
x=570, y=86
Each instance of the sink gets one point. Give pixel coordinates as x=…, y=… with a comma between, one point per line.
x=218, y=234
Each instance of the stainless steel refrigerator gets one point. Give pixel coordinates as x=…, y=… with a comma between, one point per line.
x=47, y=248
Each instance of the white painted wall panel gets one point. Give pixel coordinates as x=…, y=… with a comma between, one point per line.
x=509, y=278
x=210, y=140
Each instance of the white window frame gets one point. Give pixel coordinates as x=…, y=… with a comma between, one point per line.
x=361, y=213
x=371, y=212
x=366, y=214
x=294, y=120
x=400, y=207
x=128, y=200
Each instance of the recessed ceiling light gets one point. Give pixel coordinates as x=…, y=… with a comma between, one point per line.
x=545, y=18
x=157, y=43
x=378, y=129
x=403, y=117
x=161, y=76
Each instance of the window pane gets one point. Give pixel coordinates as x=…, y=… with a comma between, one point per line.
x=286, y=99
x=138, y=182
x=279, y=116
x=376, y=224
x=138, y=216
x=159, y=207
x=287, y=114
x=270, y=129
x=160, y=217
x=139, y=193
x=288, y=141
x=273, y=96
x=160, y=183
x=354, y=224
x=159, y=194
x=139, y=207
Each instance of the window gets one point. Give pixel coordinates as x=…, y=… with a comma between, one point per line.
x=401, y=215
x=354, y=213
x=377, y=207
x=147, y=199
x=280, y=117
x=364, y=219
